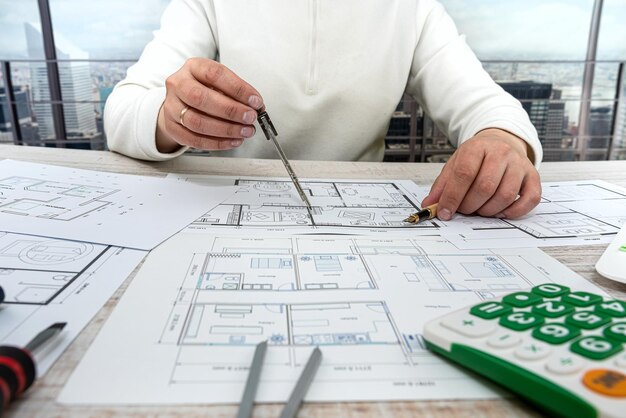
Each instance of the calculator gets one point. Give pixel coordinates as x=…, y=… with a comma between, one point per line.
x=559, y=348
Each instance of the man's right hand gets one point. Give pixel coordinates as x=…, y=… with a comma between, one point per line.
x=221, y=108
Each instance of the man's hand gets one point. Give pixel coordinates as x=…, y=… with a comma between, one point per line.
x=220, y=108
x=486, y=175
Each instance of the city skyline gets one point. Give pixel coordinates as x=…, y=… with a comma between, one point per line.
x=87, y=84
x=515, y=29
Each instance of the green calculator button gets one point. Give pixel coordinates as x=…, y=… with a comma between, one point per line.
x=615, y=308
x=552, y=309
x=555, y=333
x=521, y=299
x=520, y=321
x=490, y=310
x=550, y=290
x=616, y=332
x=581, y=299
x=587, y=320
x=595, y=347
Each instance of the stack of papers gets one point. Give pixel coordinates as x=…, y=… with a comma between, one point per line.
x=70, y=237
x=353, y=279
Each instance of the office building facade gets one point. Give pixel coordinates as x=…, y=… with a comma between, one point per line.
x=76, y=90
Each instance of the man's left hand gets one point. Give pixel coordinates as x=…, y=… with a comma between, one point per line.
x=489, y=174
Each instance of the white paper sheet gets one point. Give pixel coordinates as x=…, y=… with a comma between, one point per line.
x=571, y=213
x=107, y=208
x=47, y=280
x=186, y=328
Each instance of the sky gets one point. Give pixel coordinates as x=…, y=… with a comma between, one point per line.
x=496, y=29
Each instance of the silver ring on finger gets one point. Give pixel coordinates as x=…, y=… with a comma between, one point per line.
x=181, y=115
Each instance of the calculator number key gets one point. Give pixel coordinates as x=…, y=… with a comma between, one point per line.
x=595, y=348
x=550, y=290
x=520, y=321
x=615, y=308
x=552, y=309
x=581, y=299
x=555, y=333
x=586, y=320
x=616, y=332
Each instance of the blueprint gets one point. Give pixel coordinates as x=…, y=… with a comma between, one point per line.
x=47, y=280
x=201, y=303
x=107, y=208
x=356, y=206
x=570, y=213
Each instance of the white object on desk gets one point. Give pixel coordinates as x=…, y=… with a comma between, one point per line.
x=100, y=207
x=612, y=264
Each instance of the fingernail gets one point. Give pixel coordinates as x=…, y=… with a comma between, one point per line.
x=249, y=117
x=247, y=132
x=236, y=142
x=444, y=214
x=255, y=102
x=500, y=215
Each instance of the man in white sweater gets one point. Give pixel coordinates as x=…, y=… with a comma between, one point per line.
x=330, y=73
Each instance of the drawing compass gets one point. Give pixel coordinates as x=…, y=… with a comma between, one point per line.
x=270, y=133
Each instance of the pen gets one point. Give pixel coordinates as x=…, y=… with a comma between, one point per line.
x=304, y=381
x=270, y=133
x=247, y=400
x=17, y=365
x=424, y=214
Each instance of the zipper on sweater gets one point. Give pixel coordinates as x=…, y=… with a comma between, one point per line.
x=311, y=85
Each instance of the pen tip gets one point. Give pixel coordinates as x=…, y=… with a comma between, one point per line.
x=58, y=325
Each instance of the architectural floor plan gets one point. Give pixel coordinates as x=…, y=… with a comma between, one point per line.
x=274, y=203
x=93, y=206
x=362, y=300
x=46, y=280
x=570, y=213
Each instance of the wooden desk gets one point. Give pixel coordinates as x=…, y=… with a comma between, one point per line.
x=40, y=400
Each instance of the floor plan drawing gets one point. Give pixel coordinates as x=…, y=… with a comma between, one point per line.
x=55, y=200
x=99, y=207
x=47, y=280
x=35, y=270
x=570, y=213
x=271, y=203
x=213, y=298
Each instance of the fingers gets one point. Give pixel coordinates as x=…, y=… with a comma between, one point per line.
x=220, y=106
x=488, y=185
x=505, y=194
x=211, y=102
x=204, y=124
x=466, y=167
x=192, y=139
x=530, y=196
x=485, y=176
x=217, y=76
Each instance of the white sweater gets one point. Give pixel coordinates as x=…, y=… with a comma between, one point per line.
x=331, y=73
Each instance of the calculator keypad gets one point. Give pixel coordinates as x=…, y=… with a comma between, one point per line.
x=589, y=328
x=564, y=339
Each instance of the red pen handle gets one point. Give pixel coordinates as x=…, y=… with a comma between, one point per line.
x=17, y=373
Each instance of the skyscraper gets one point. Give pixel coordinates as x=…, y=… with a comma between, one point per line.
x=619, y=135
x=76, y=89
x=24, y=115
x=546, y=112
x=600, y=121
